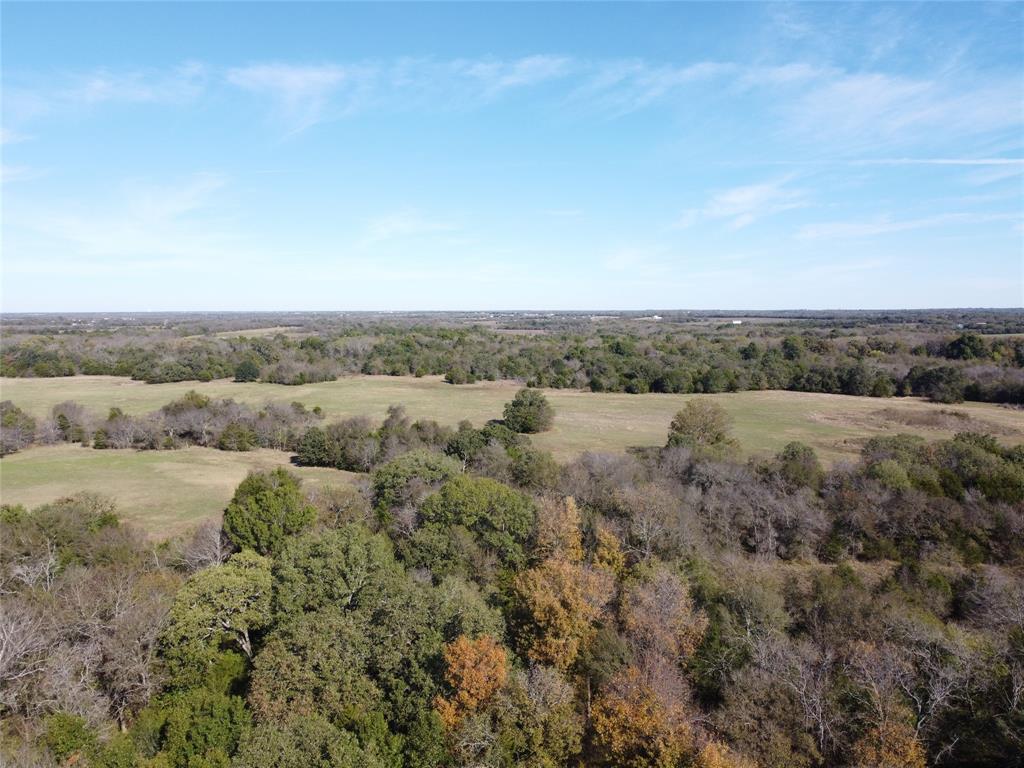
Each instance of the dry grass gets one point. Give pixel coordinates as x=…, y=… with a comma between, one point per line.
x=947, y=420
x=835, y=425
x=165, y=492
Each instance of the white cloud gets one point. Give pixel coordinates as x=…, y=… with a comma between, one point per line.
x=402, y=224
x=882, y=225
x=1000, y=161
x=179, y=85
x=864, y=109
x=301, y=92
x=623, y=86
x=992, y=175
x=495, y=75
x=11, y=137
x=140, y=223
x=25, y=101
x=11, y=173
x=742, y=206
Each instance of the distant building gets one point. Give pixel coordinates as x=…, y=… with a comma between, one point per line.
x=737, y=322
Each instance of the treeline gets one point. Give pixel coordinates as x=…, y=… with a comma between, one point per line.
x=948, y=369
x=352, y=444
x=672, y=608
x=193, y=419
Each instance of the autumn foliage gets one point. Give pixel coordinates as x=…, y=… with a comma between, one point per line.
x=640, y=722
x=889, y=745
x=474, y=670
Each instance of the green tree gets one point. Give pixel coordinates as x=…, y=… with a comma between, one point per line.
x=247, y=370
x=67, y=734
x=792, y=347
x=197, y=728
x=267, y=508
x=798, y=466
x=302, y=742
x=344, y=568
x=396, y=483
x=967, y=346
x=314, y=449
x=316, y=665
x=237, y=437
x=703, y=426
x=17, y=428
x=529, y=412
x=500, y=518
x=220, y=606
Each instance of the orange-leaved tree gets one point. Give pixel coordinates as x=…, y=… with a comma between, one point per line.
x=640, y=719
x=474, y=670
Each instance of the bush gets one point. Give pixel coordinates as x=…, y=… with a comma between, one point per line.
x=17, y=428
x=67, y=734
x=237, y=437
x=799, y=466
x=267, y=507
x=399, y=481
x=702, y=426
x=500, y=518
x=247, y=370
x=529, y=412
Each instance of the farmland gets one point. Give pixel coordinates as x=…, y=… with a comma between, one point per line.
x=763, y=421
x=166, y=491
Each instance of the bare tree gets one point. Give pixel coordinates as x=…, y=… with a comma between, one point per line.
x=208, y=546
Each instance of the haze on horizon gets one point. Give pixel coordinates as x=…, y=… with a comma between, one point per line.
x=265, y=156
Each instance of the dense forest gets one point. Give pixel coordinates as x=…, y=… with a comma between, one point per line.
x=471, y=602
x=931, y=355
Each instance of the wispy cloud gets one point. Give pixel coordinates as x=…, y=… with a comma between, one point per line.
x=301, y=92
x=992, y=175
x=139, y=223
x=11, y=173
x=883, y=225
x=25, y=101
x=861, y=109
x=1000, y=161
x=11, y=137
x=181, y=84
x=741, y=206
x=495, y=76
x=865, y=108
x=402, y=224
x=623, y=86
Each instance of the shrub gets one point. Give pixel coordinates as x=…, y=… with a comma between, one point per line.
x=267, y=507
x=247, y=370
x=529, y=412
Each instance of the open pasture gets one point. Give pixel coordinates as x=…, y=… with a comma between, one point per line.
x=169, y=491
x=763, y=422
x=164, y=492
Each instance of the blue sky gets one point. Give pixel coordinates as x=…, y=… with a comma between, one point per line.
x=324, y=156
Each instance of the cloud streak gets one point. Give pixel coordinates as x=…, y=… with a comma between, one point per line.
x=861, y=109
x=741, y=206
x=884, y=225
x=403, y=224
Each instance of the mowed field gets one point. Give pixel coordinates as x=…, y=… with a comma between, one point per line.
x=175, y=488
x=164, y=492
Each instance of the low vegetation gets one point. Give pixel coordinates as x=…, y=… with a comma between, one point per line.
x=863, y=354
x=669, y=607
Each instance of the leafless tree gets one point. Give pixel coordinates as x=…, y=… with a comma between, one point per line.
x=208, y=546
x=25, y=638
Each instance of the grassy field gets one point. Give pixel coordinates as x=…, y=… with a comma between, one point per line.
x=164, y=492
x=835, y=425
x=167, y=491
